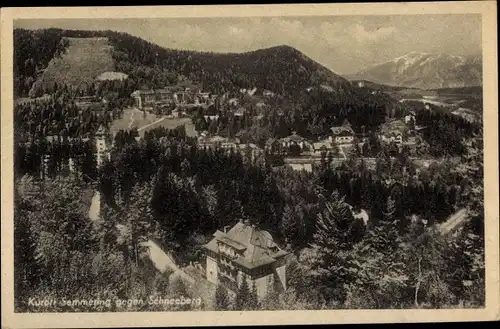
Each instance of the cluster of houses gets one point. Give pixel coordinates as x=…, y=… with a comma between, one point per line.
x=295, y=145
x=177, y=100
x=180, y=94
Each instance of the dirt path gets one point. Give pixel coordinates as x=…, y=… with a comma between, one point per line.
x=162, y=261
x=152, y=123
x=454, y=221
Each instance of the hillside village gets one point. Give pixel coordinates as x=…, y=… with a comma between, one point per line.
x=242, y=193
x=188, y=101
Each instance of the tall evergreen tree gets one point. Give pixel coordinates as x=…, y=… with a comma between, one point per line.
x=221, y=298
x=243, y=295
x=329, y=256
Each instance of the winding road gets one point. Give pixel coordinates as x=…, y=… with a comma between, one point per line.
x=454, y=221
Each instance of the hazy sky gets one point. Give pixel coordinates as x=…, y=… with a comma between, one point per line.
x=345, y=44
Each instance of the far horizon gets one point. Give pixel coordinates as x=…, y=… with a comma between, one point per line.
x=363, y=41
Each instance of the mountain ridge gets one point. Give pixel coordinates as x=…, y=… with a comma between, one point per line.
x=425, y=71
x=280, y=68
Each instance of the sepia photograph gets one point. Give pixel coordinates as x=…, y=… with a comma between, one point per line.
x=315, y=162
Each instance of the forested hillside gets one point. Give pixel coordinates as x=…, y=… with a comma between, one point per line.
x=281, y=69
x=314, y=97
x=166, y=188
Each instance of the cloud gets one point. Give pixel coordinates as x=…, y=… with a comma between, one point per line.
x=362, y=35
x=343, y=43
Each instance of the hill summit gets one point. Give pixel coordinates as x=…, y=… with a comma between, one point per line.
x=76, y=57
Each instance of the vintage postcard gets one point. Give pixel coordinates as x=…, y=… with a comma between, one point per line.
x=238, y=165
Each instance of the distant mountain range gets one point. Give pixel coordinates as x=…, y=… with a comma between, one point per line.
x=425, y=71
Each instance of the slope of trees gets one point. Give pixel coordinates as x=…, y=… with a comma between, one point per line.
x=33, y=50
x=164, y=187
x=62, y=255
x=281, y=69
x=152, y=64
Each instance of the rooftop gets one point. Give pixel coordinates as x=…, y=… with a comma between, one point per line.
x=343, y=129
x=294, y=138
x=256, y=246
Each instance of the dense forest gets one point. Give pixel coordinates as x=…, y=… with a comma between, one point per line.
x=444, y=132
x=164, y=187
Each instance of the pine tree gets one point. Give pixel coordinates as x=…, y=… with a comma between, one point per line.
x=389, y=214
x=243, y=295
x=253, y=302
x=221, y=298
x=378, y=267
x=329, y=256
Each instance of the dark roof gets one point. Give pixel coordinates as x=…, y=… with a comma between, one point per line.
x=295, y=138
x=256, y=246
x=345, y=129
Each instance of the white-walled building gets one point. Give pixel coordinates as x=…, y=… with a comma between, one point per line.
x=342, y=134
x=246, y=253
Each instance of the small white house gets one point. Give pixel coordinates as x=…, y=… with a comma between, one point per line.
x=343, y=134
x=294, y=139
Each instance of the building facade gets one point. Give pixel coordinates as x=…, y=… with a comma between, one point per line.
x=246, y=253
x=178, y=94
x=342, y=134
x=101, y=138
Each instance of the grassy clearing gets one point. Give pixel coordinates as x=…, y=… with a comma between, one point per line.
x=134, y=118
x=171, y=123
x=84, y=60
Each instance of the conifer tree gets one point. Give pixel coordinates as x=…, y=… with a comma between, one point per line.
x=329, y=255
x=243, y=295
x=253, y=302
x=221, y=298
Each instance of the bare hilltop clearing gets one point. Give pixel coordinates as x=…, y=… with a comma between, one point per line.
x=83, y=60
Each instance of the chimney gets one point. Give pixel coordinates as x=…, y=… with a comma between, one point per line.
x=225, y=228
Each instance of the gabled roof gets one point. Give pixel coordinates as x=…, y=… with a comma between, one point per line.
x=101, y=130
x=344, y=129
x=293, y=138
x=256, y=246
